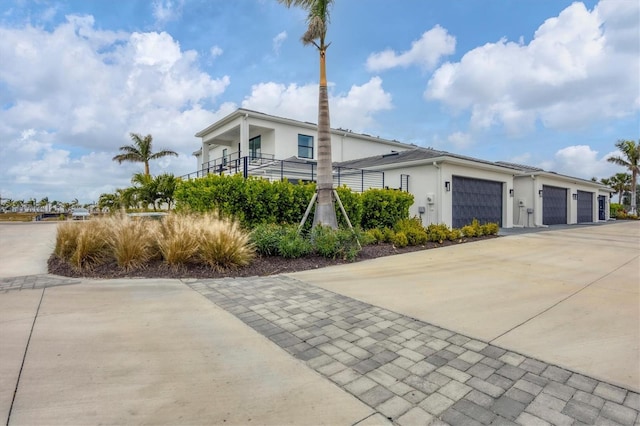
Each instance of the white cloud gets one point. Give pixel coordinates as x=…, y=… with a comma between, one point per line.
x=354, y=109
x=460, y=140
x=581, y=161
x=166, y=10
x=216, y=51
x=581, y=66
x=425, y=52
x=73, y=94
x=277, y=42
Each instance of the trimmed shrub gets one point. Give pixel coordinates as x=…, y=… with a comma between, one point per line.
x=374, y=235
x=413, y=229
x=399, y=239
x=490, y=228
x=468, y=231
x=454, y=234
x=437, y=233
x=266, y=238
x=352, y=202
x=384, y=207
x=388, y=235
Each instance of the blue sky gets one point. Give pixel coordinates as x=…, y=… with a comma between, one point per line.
x=549, y=83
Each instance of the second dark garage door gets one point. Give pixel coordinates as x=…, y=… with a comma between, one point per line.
x=476, y=199
x=585, y=206
x=554, y=205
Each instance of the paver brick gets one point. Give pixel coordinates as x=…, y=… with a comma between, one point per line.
x=318, y=361
x=437, y=344
x=329, y=349
x=480, y=398
x=538, y=380
x=376, y=395
x=512, y=358
x=381, y=377
x=459, y=364
x=632, y=400
x=549, y=414
x=471, y=357
x=610, y=392
x=443, y=334
x=456, y=418
x=385, y=356
x=421, y=384
x=395, y=371
x=436, y=360
x=588, y=398
x=358, y=352
x=436, y=404
x=437, y=378
x=500, y=381
x=415, y=416
x=345, y=376
x=475, y=345
x=394, y=407
x=480, y=370
x=412, y=344
x=453, y=373
x=458, y=339
x=403, y=362
x=527, y=419
x=422, y=368
x=580, y=411
x=486, y=387
x=493, y=363
x=400, y=389
x=363, y=367
x=519, y=395
x=581, y=382
x=559, y=390
x=455, y=390
x=415, y=396
x=558, y=374
x=619, y=413
x=511, y=372
x=508, y=408
x=360, y=385
x=345, y=358
x=458, y=350
x=501, y=421
x=331, y=368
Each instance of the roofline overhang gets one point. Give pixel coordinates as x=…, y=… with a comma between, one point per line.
x=242, y=112
x=566, y=178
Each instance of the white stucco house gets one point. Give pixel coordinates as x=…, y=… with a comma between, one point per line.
x=448, y=188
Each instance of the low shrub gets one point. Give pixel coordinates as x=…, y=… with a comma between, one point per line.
x=413, y=229
x=292, y=245
x=468, y=231
x=490, y=228
x=388, y=234
x=334, y=244
x=266, y=238
x=400, y=239
x=374, y=235
x=454, y=234
x=437, y=233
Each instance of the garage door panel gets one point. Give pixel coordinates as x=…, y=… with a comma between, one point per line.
x=585, y=206
x=554, y=205
x=476, y=199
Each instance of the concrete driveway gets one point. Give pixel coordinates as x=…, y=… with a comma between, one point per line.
x=568, y=297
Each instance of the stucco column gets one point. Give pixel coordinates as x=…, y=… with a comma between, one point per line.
x=244, y=136
x=204, y=157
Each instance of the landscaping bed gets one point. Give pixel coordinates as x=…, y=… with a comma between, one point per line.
x=260, y=266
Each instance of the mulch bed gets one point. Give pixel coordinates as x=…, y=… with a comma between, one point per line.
x=261, y=266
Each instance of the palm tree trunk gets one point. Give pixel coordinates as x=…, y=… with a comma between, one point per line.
x=634, y=182
x=146, y=168
x=325, y=212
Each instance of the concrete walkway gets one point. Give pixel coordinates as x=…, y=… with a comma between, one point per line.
x=279, y=350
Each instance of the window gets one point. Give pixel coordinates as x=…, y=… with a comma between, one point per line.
x=255, y=147
x=305, y=146
x=224, y=157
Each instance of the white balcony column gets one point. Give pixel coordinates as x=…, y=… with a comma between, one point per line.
x=244, y=136
x=205, y=154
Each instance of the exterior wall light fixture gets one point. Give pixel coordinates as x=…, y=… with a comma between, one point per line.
x=447, y=186
x=511, y=192
x=540, y=192
x=574, y=196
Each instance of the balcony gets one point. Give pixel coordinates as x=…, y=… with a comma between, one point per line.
x=294, y=170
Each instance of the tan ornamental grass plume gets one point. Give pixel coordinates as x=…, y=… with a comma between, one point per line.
x=223, y=244
x=92, y=248
x=132, y=242
x=177, y=239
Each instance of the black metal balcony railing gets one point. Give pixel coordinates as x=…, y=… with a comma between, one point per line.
x=266, y=167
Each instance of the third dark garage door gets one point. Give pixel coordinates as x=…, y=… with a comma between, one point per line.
x=476, y=199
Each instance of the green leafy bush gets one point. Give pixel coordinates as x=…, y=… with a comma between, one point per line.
x=266, y=238
x=454, y=234
x=416, y=233
x=352, y=202
x=375, y=235
x=335, y=243
x=437, y=233
x=468, y=231
x=293, y=245
x=400, y=239
x=490, y=228
x=384, y=207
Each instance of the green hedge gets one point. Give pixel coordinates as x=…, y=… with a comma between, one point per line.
x=255, y=201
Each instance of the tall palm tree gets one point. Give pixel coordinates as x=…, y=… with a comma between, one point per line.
x=141, y=152
x=317, y=21
x=620, y=182
x=630, y=159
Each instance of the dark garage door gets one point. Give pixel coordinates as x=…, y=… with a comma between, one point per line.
x=585, y=206
x=476, y=199
x=554, y=205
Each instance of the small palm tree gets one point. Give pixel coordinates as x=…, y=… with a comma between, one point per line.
x=141, y=151
x=630, y=159
x=317, y=21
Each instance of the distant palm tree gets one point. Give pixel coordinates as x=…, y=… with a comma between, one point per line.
x=620, y=182
x=630, y=159
x=317, y=21
x=141, y=152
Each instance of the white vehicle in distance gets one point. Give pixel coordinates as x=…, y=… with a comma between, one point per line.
x=80, y=214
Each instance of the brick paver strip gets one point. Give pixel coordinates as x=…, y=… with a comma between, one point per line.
x=34, y=282
x=410, y=371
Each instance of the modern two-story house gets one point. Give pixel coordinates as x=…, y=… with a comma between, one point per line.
x=448, y=188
